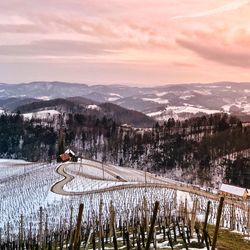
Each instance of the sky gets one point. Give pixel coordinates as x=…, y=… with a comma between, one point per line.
x=134, y=42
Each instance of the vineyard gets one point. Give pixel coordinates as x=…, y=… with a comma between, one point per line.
x=93, y=205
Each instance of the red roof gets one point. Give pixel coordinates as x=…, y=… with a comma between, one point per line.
x=65, y=157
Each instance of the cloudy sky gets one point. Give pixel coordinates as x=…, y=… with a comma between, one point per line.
x=137, y=42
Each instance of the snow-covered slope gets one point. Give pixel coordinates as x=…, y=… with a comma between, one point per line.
x=27, y=187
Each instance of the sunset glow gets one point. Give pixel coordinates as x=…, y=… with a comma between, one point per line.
x=137, y=42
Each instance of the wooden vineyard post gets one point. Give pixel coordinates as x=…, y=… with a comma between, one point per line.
x=138, y=240
x=93, y=240
x=30, y=232
x=8, y=234
x=197, y=230
x=46, y=230
x=175, y=200
x=71, y=218
x=217, y=222
x=88, y=240
x=102, y=170
x=78, y=227
x=71, y=231
x=40, y=239
x=193, y=216
x=21, y=231
x=232, y=217
x=142, y=236
x=111, y=221
x=184, y=238
x=185, y=212
x=112, y=225
x=205, y=222
x=152, y=224
x=145, y=213
x=127, y=240
x=100, y=225
x=248, y=219
x=170, y=239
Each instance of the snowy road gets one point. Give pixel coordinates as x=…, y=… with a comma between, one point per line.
x=117, y=178
x=123, y=177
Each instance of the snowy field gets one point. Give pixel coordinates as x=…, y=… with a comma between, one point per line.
x=25, y=187
x=10, y=168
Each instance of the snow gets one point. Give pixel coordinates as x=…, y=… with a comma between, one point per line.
x=28, y=187
x=69, y=151
x=203, y=92
x=85, y=169
x=25, y=187
x=45, y=98
x=246, y=108
x=181, y=196
x=112, y=99
x=157, y=113
x=186, y=97
x=93, y=106
x=128, y=174
x=194, y=110
x=115, y=94
x=10, y=168
x=12, y=161
x=157, y=100
x=82, y=184
x=226, y=107
x=233, y=189
x=242, y=104
x=44, y=114
x=161, y=94
x=174, y=111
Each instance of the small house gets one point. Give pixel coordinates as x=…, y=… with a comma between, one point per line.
x=68, y=155
x=63, y=157
x=234, y=191
x=72, y=155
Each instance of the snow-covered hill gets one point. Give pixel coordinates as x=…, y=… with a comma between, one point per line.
x=31, y=188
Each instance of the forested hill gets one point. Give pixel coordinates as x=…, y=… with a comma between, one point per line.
x=28, y=140
x=198, y=150
x=79, y=105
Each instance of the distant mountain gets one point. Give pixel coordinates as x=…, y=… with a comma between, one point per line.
x=178, y=101
x=52, y=90
x=10, y=104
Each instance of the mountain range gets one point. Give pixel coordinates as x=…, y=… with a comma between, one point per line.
x=180, y=101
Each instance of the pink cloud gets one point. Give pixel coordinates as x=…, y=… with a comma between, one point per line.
x=219, y=45
x=170, y=40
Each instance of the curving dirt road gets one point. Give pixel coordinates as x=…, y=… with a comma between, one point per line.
x=159, y=183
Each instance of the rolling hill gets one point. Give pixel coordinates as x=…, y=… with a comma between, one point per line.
x=179, y=101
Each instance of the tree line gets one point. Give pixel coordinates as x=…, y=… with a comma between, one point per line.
x=194, y=144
